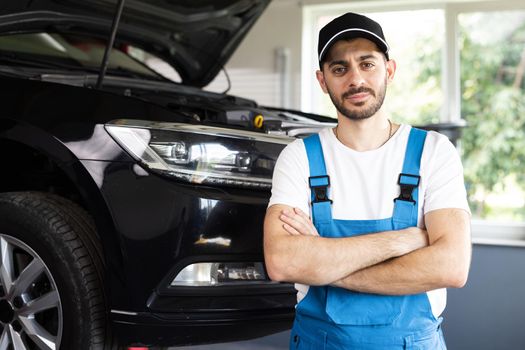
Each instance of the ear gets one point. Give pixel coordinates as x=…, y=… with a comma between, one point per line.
x=390, y=70
x=320, y=78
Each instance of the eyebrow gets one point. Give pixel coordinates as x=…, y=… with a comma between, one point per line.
x=345, y=62
x=338, y=62
x=367, y=57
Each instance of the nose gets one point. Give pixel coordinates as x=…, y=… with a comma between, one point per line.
x=354, y=77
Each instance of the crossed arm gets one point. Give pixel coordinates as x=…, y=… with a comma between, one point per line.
x=392, y=262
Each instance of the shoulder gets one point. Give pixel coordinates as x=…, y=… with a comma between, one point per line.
x=439, y=143
x=434, y=141
x=433, y=138
x=438, y=150
x=326, y=135
x=293, y=149
x=292, y=158
x=440, y=158
x=297, y=147
x=437, y=138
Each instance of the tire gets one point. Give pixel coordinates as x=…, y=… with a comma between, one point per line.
x=51, y=274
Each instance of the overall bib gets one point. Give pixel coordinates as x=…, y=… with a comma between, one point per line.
x=330, y=318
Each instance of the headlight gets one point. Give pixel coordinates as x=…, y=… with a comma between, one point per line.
x=216, y=274
x=201, y=154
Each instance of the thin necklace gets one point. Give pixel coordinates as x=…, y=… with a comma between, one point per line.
x=388, y=138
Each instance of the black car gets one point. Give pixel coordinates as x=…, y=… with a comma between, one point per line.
x=131, y=206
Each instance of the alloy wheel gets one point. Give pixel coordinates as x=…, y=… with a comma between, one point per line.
x=30, y=309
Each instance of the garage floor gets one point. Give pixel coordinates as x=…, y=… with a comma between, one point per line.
x=277, y=341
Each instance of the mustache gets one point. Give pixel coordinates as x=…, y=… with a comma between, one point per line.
x=361, y=89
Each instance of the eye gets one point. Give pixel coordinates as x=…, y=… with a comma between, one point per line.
x=367, y=65
x=339, y=70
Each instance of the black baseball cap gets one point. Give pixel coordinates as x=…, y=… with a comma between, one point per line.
x=350, y=26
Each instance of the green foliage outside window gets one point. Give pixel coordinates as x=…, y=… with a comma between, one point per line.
x=493, y=105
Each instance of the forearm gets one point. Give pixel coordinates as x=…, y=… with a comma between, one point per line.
x=316, y=260
x=409, y=274
x=320, y=261
x=444, y=263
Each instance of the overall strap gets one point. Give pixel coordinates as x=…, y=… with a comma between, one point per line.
x=406, y=205
x=319, y=181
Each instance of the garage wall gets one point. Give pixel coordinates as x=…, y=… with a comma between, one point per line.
x=488, y=313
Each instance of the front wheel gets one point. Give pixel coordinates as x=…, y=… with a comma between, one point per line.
x=51, y=275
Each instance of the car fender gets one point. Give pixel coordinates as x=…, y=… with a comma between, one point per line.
x=46, y=144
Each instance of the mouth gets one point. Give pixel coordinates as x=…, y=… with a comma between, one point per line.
x=358, y=97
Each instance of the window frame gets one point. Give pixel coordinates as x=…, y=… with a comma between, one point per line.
x=483, y=231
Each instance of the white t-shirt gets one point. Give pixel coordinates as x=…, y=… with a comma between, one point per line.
x=364, y=184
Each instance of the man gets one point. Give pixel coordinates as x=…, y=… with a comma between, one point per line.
x=388, y=228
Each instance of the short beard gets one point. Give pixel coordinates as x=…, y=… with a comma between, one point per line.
x=363, y=114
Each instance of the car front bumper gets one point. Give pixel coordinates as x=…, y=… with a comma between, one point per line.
x=176, y=329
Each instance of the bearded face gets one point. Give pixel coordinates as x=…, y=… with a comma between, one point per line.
x=355, y=111
x=355, y=74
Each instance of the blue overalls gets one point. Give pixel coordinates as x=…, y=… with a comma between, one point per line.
x=330, y=318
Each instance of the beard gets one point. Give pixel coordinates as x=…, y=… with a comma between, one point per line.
x=359, y=114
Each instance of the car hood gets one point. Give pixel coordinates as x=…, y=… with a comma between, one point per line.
x=197, y=37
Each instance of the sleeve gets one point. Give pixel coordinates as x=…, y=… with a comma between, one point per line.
x=290, y=178
x=445, y=183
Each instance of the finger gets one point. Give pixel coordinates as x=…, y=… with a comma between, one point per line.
x=304, y=226
x=291, y=220
x=312, y=231
x=287, y=219
x=292, y=216
x=291, y=230
x=307, y=222
x=287, y=212
x=297, y=223
x=302, y=214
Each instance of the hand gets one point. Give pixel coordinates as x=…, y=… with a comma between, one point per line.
x=297, y=223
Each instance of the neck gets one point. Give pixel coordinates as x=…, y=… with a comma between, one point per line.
x=366, y=134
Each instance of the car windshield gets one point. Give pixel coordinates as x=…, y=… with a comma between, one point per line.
x=71, y=52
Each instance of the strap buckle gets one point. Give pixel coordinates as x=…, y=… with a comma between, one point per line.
x=320, y=184
x=408, y=183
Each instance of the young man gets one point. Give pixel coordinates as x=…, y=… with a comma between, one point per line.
x=370, y=218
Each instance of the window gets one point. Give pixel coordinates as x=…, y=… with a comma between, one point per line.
x=466, y=60
x=493, y=104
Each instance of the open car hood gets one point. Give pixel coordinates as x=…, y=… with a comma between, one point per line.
x=197, y=37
